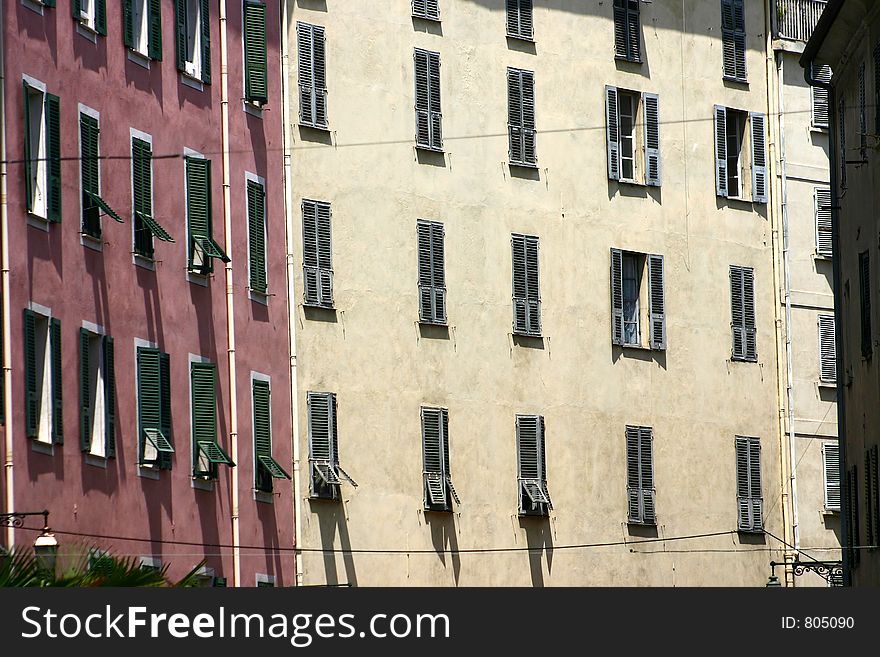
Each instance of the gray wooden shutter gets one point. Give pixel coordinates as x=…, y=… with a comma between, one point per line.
x=841, y=139
x=633, y=473
x=434, y=105
x=757, y=502
x=312, y=66
x=444, y=418
x=423, y=113
x=57, y=382
x=85, y=427
x=432, y=280
x=759, y=158
x=520, y=294
x=612, y=132
x=820, y=95
x=325, y=254
x=521, y=117
x=822, y=201
x=31, y=395
x=256, y=209
x=646, y=473
x=737, y=313
x=438, y=270
x=428, y=9
x=651, y=103
x=831, y=468
x=531, y=467
x=748, y=278
x=657, y=300
x=519, y=19
x=627, y=32
x=733, y=39
x=865, y=302
x=317, y=254
x=720, y=151
x=827, y=349
x=529, y=138
x=109, y=396
x=616, y=296
x=320, y=444
x=53, y=155
x=533, y=287
x=743, y=490
x=434, y=458
x=154, y=44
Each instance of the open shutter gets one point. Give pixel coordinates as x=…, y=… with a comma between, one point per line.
x=256, y=199
x=203, y=379
x=311, y=293
x=85, y=411
x=155, y=39
x=743, y=490
x=180, y=10
x=831, y=467
x=434, y=461
x=53, y=154
x=164, y=397
x=820, y=95
x=255, y=52
x=721, y=151
x=633, y=473
x=757, y=502
x=149, y=404
x=646, y=473
x=612, y=132
x=514, y=115
x=57, y=382
x=657, y=301
x=109, y=397
x=824, y=242
x=759, y=158
x=321, y=454
x=530, y=462
x=31, y=395
x=325, y=255
x=651, y=103
x=616, y=296
x=205, y=16
x=520, y=292
x=89, y=175
x=423, y=118
x=128, y=23
x=101, y=17
x=262, y=434
x=827, y=349
x=198, y=207
x=28, y=162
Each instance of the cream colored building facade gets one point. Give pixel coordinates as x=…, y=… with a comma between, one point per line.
x=368, y=347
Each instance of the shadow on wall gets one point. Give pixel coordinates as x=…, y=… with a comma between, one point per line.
x=332, y=521
x=539, y=540
x=445, y=540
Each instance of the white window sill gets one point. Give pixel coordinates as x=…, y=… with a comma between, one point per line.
x=521, y=37
x=639, y=347
x=33, y=6
x=822, y=130
x=819, y=256
x=197, y=279
x=36, y=221
x=429, y=149
x=252, y=108
x=741, y=199
x=191, y=81
x=259, y=297
x=96, y=461
x=315, y=126
x=264, y=496
x=729, y=78
x=203, y=484
x=833, y=513
x=87, y=31
x=148, y=472
x=93, y=243
x=524, y=165
x=143, y=261
x=40, y=447
x=831, y=385
x=139, y=58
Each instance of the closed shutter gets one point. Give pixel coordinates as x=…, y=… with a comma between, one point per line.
x=748, y=484
x=521, y=117
x=312, y=66
x=876, y=87
x=627, y=30
x=616, y=296
x=317, y=254
x=870, y=529
x=428, y=9
x=256, y=209
x=255, y=53
x=109, y=396
x=831, y=468
x=822, y=202
x=31, y=394
x=154, y=408
x=57, y=382
x=742, y=298
x=432, y=279
x=526, y=289
x=640, y=475
x=863, y=114
x=53, y=155
x=519, y=19
x=657, y=300
x=428, y=111
x=720, y=151
x=434, y=459
x=820, y=95
x=827, y=349
x=733, y=39
x=85, y=396
x=865, y=302
x=612, y=132
x=205, y=17
x=759, y=158
x=852, y=516
x=155, y=30
x=651, y=103
x=633, y=475
x=874, y=495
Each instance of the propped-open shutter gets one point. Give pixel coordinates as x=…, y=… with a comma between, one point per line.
x=612, y=132
x=320, y=430
x=616, y=296
x=759, y=158
x=757, y=501
x=657, y=300
x=831, y=467
x=311, y=285
x=651, y=103
x=325, y=255
x=180, y=32
x=89, y=175
x=53, y=155
x=434, y=461
x=198, y=207
x=109, y=397
x=57, y=382
x=128, y=23
x=527, y=447
x=262, y=433
x=101, y=17
x=31, y=396
x=206, y=40
x=542, y=451
x=827, y=349
x=720, y=151
x=203, y=379
x=633, y=487
x=743, y=490
x=255, y=52
x=155, y=35
x=444, y=424
x=423, y=118
x=149, y=400
x=514, y=115
x=257, y=236
x=85, y=411
x=646, y=473
x=822, y=201
x=520, y=292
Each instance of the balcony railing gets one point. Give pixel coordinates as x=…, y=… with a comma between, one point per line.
x=796, y=19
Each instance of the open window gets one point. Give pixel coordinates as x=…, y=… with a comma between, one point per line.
x=740, y=155
x=91, y=14
x=97, y=394
x=42, y=152
x=638, y=300
x=44, y=409
x=194, y=38
x=633, y=136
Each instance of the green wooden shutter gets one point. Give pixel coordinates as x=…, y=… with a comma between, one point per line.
x=31, y=395
x=147, y=395
x=109, y=397
x=203, y=379
x=262, y=434
x=28, y=163
x=76, y=9
x=198, y=209
x=142, y=183
x=57, y=382
x=89, y=175
x=85, y=389
x=180, y=32
x=101, y=17
x=165, y=408
x=127, y=23
x=53, y=154
x=256, y=200
x=155, y=26
x=206, y=40
x=255, y=55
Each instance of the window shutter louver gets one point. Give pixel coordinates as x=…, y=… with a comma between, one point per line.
x=255, y=52
x=853, y=530
x=428, y=9
x=128, y=23
x=759, y=159
x=646, y=463
x=76, y=9
x=742, y=483
x=164, y=396
x=514, y=115
x=748, y=484
x=256, y=200
x=526, y=290
x=657, y=300
x=733, y=39
x=89, y=174
x=530, y=155
x=869, y=514
x=317, y=254
x=109, y=396
x=627, y=33
x=742, y=297
x=831, y=463
x=31, y=395
x=266, y=467
x=519, y=19
x=423, y=123
x=521, y=117
x=530, y=464
x=616, y=296
x=876, y=87
x=612, y=131
x=28, y=162
x=721, y=151
x=841, y=140
x=325, y=255
x=205, y=16
x=444, y=419
x=620, y=31
x=865, y=302
x=151, y=403
x=863, y=114
x=755, y=484
x=651, y=103
x=432, y=280
x=57, y=382
x=101, y=17
x=434, y=459
x=199, y=216
x=827, y=349
x=820, y=95
x=155, y=41
x=749, y=313
x=85, y=433
x=824, y=242
x=180, y=10
x=324, y=445
x=438, y=269
x=875, y=496
x=203, y=379
x=632, y=474
x=640, y=475
x=53, y=155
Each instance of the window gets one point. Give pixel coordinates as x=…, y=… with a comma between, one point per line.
x=852, y=516
x=831, y=468
x=145, y=225
x=742, y=309
x=207, y=453
x=736, y=134
x=142, y=27
x=432, y=276
x=317, y=254
x=256, y=85
x=439, y=491
x=627, y=30
x=266, y=468
x=429, y=119
x=820, y=97
x=519, y=19
x=733, y=39
x=155, y=441
x=749, y=498
x=841, y=139
x=42, y=152
x=256, y=214
x=521, y=117
x=44, y=408
x=822, y=203
x=203, y=249
x=326, y=474
x=872, y=508
x=534, y=498
x=640, y=475
x=638, y=299
x=91, y=14
x=97, y=394
x=827, y=350
x=633, y=136
x=526, y=292
x=427, y=9
x=193, y=38
x=865, y=303
x=310, y=45
x=90, y=177
x=863, y=115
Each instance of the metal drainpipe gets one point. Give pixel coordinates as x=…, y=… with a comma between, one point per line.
x=230, y=297
x=291, y=295
x=838, y=312
x=9, y=498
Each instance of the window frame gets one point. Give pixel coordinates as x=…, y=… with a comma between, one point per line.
x=258, y=282
x=43, y=389
x=104, y=379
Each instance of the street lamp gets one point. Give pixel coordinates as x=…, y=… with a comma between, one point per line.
x=773, y=580
x=46, y=546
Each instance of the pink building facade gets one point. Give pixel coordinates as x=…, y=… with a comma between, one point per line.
x=139, y=364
